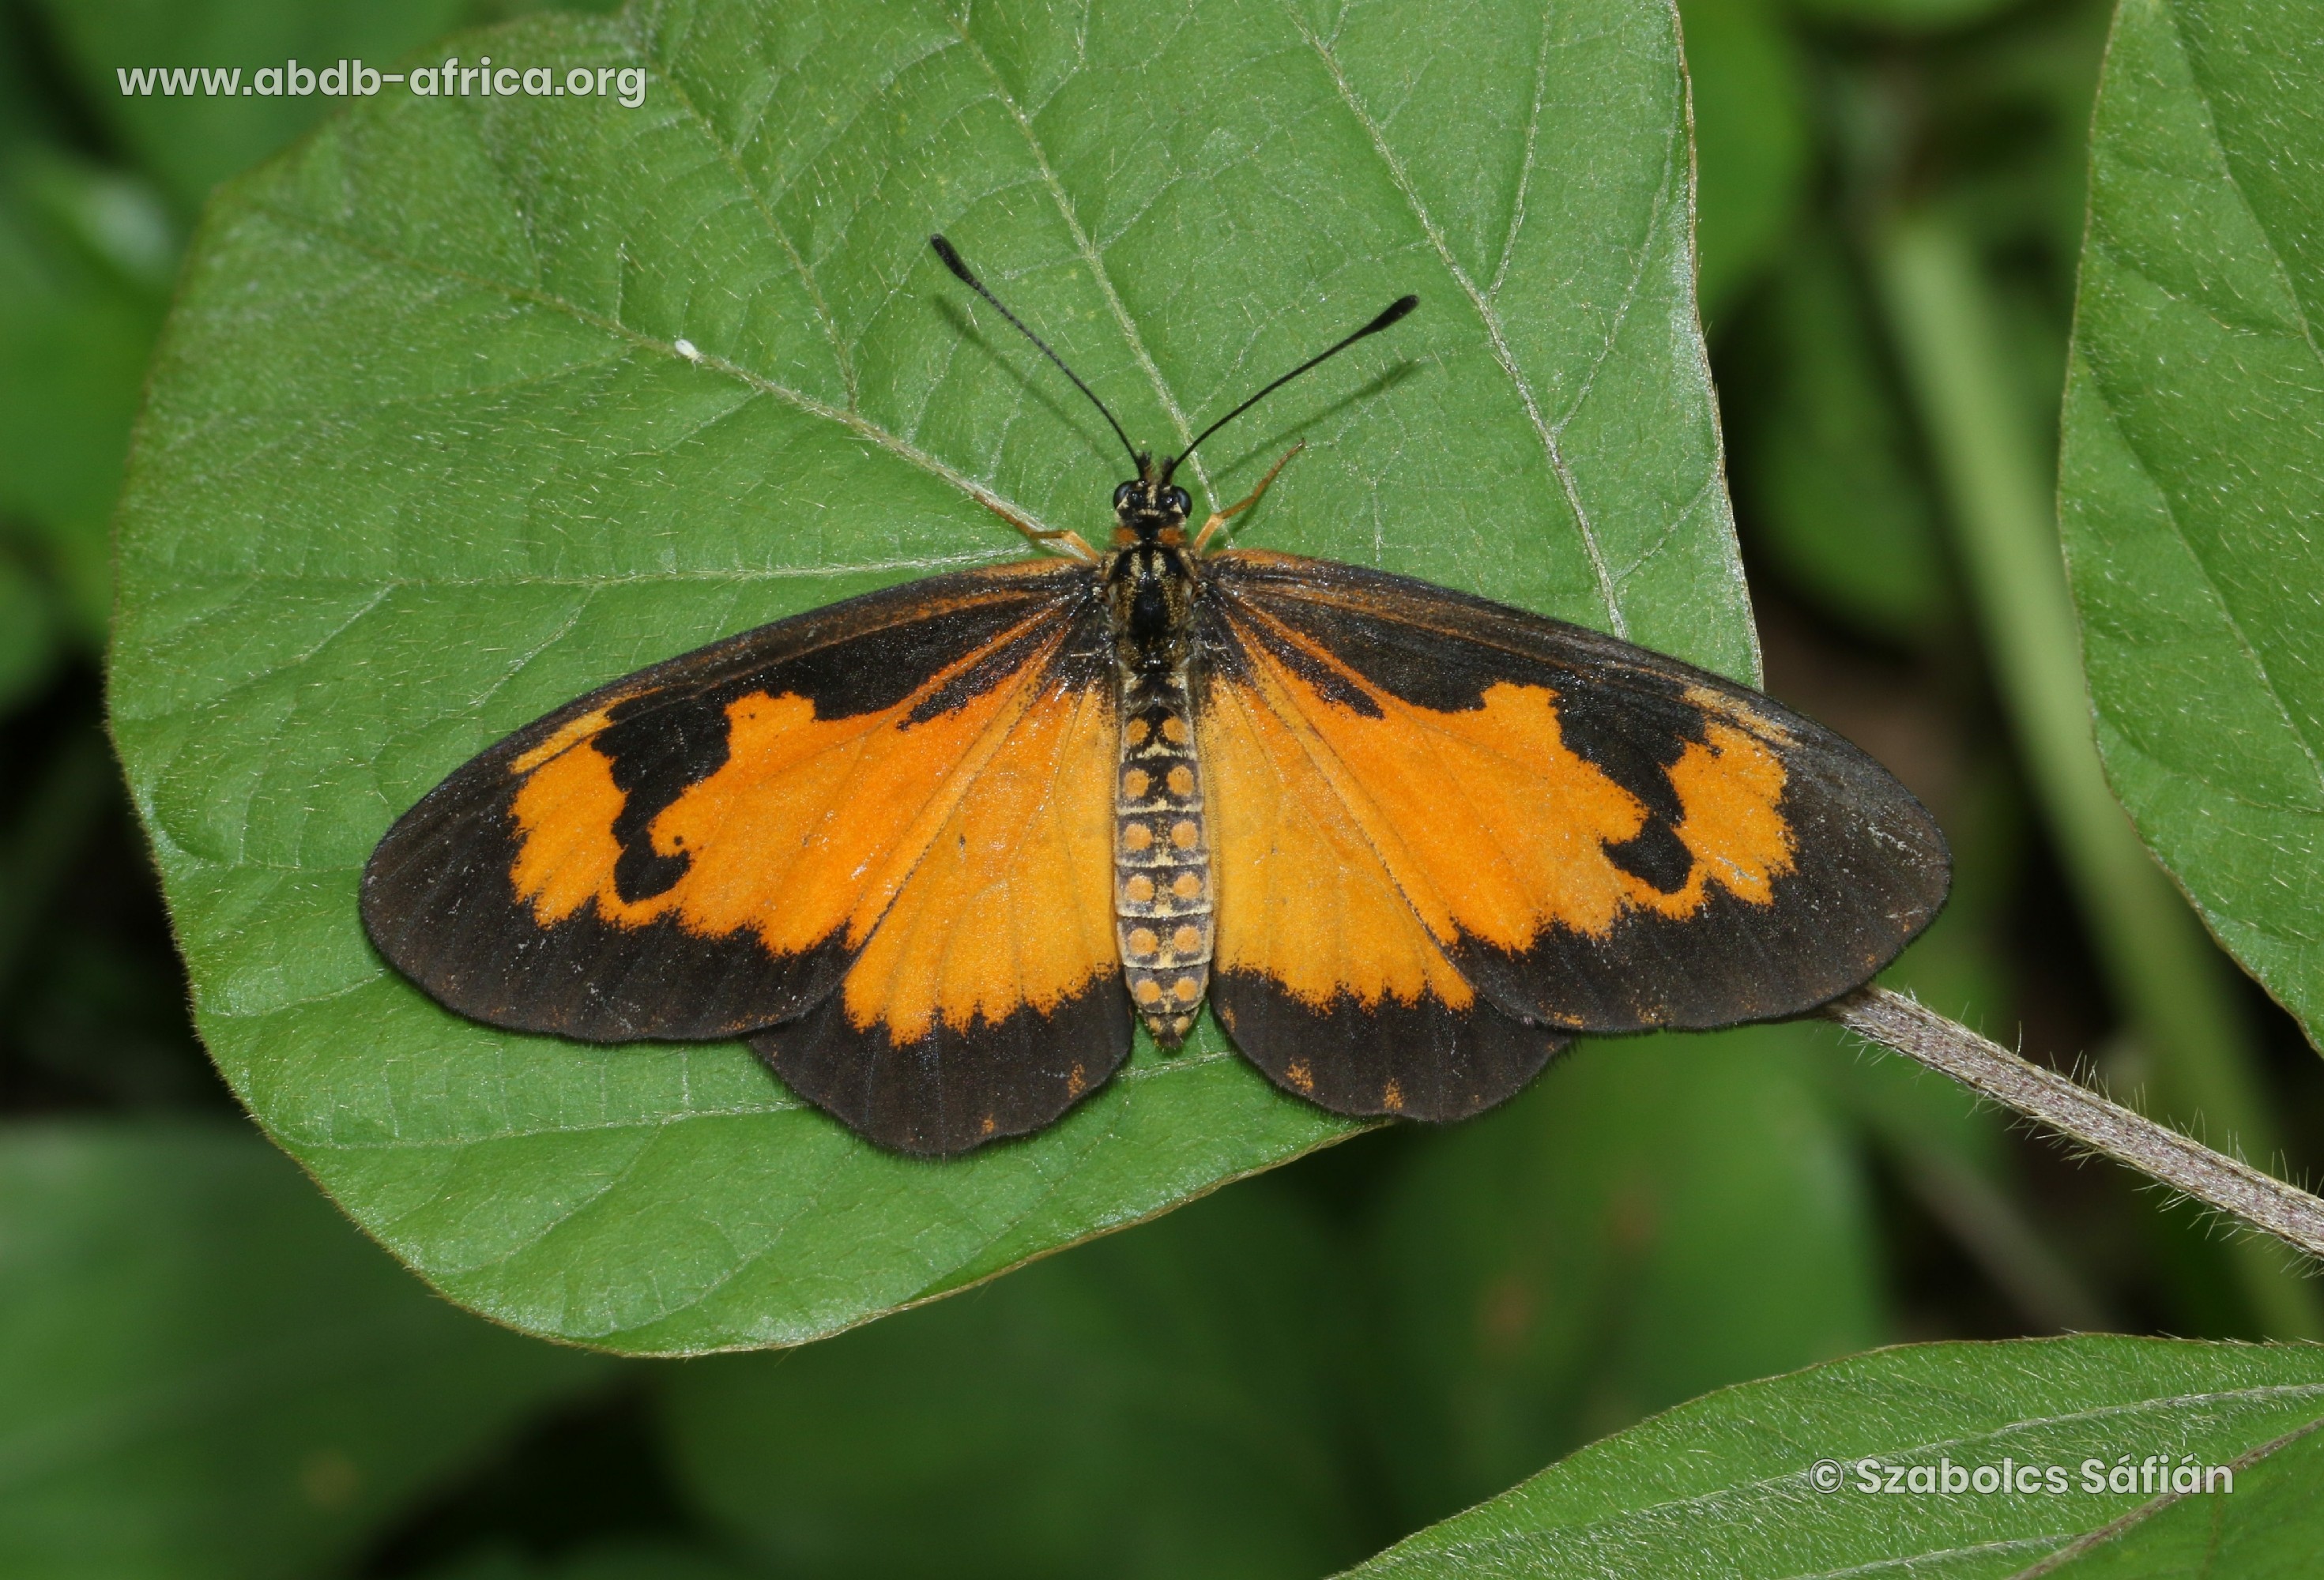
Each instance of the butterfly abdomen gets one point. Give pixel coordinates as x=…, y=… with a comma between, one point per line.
x=1161, y=855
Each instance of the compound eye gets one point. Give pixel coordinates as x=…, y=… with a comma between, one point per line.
x=1178, y=502
x=1124, y=494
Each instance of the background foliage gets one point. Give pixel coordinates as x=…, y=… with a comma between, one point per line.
x=1306, y=1368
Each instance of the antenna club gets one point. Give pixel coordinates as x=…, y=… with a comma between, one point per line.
x=1388, y=315
x=952, y=260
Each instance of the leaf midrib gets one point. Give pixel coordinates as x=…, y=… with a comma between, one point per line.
x=1551, y=436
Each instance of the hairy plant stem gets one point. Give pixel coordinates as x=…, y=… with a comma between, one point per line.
x=2165, y=975
x=2186, y=1165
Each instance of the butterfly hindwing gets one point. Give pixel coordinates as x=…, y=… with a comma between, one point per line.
x=988, y=997
x=1325, y=977
x=1583, y=835
x=712, y=845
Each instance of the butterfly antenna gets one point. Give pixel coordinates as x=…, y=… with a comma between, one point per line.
x=952, y=260
x=1390, y=315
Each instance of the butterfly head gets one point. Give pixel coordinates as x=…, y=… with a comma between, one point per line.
x=1150, y=508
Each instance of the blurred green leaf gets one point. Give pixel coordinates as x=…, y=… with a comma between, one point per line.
x=1660, y=1215
x=192, y=141
x=423, y=461
x=1155, y=1404
x=2002, y=121
x=1751, y=139
x=2172, y=984
x=204, y=1371
x=1840, y=507
x=1719, y=1488
x=78, y=307
x=2194, y=431
x=1903, y=15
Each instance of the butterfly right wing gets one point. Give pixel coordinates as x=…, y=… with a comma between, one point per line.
x=703, y=848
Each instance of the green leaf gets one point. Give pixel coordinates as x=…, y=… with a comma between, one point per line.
x=204, y=1372
x=2272, y=1526
x=1155, y=1404
x=1738, y=1463
x=423, y=459
x=1660, y=1215
x=2194, y=430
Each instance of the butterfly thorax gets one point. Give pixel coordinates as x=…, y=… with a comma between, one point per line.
x=1161, y=847
x=1148, y=577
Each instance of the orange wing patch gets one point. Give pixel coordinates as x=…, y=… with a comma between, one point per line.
x=1304, y=894
x=1729, y=788
x=1493, y=829
x=1010, y=904
x=1325, y=975
x=987, y=997
x=807, y=828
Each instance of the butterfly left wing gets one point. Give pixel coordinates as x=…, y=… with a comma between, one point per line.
x=896, y=805
x=1583, y=836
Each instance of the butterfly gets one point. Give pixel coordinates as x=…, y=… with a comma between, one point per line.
x=938, y=849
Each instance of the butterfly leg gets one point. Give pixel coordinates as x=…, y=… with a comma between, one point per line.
x=1073, y=542
x=1219, y=518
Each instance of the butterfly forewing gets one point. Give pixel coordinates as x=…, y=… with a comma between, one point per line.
x=703, y=848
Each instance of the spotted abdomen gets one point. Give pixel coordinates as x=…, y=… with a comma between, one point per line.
x=1161, y=857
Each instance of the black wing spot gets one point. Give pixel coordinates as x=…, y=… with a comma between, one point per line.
x=659, y=750
x=1656, y=856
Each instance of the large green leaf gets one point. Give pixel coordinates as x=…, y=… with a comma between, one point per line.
x=205, y=1372
x=423, y=458
x=1161, y=1403
x=2194, y=432
x=1726, y=1486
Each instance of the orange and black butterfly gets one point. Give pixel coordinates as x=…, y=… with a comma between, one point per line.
x=933, y=850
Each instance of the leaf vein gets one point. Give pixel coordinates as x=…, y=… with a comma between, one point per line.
x=1551, y=443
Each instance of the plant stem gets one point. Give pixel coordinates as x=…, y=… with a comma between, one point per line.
x=2162, y=969
x=2185, y=1164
